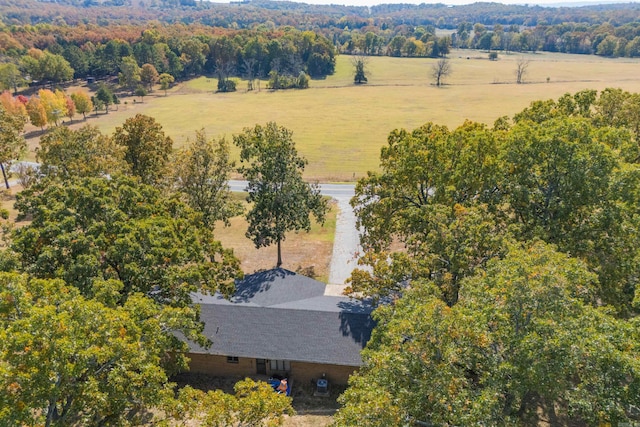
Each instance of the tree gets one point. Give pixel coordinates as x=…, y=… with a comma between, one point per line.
x=10, y=77
x=282, y=201
x=55, y=68
x=12, y=144
x=147, y=148
x=70, y=360
x=149, y=76
x=435, y=194
x=69, y=154
x=201, y=174
x=141, y=92
x=524, y=343
x=440, y=70
x=254, y=404
x=249, y=67
x=37, y=113
x=82, y=102
x=522, y=66
x=564, y=185
x=104, y=96
x=14, y=106
x=123, y=238
x=224, y=70
x=165, y=82
x=54, y=103
x=70, y=108
x=129, y=76
x=359, y=63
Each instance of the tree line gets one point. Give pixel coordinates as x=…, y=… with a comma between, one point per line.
x=397, y=30
x=34, y=54
x=504, y=262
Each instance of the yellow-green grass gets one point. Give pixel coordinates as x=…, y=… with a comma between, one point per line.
x=340, y=127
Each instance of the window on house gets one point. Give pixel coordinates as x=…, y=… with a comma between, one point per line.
x=280, y=365
x=232, y=359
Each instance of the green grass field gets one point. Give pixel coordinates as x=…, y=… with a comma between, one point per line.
x=340, y=127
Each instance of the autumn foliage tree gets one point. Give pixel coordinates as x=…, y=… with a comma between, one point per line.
x=149, y=76
x=69, y=154
x=12, y=143
x=146, y=146
x=82, y=102
x=36, y=111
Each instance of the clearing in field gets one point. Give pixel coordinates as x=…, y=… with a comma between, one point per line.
x=340, y=127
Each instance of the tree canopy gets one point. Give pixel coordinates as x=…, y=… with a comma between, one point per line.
x=121, y=230
x=523, y=344
x=504, y=261
x=146, y=148
x=201, y=172
x=67, y=359
x=85, y=152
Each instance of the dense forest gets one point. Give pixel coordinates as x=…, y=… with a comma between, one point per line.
x=252, y=39
x=284, y=41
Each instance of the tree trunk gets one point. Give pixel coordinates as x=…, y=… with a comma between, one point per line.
x=4, y=175
x=279, y=255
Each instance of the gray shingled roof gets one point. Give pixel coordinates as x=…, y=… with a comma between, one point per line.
x=278, y=314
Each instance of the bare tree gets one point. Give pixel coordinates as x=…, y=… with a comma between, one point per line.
x=440, y=70
x=249, y=68
x=521, y=70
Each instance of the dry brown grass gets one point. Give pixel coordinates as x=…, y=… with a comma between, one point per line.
x=299, y=250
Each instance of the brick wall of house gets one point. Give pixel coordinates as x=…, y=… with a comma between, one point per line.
x=301, y=372
x=218, y=366
x=335, y=374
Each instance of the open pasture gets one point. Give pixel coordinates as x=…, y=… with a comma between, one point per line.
x=340, y=127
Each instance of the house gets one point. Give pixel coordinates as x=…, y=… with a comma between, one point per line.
x=280, y=322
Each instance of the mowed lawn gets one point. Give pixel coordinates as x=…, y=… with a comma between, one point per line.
x=340, y=127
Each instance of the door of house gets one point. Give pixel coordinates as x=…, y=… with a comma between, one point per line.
x=261, y=367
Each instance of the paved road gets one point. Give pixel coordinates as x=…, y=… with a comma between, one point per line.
x=346, y=242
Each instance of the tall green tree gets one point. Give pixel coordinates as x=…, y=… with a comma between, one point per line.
x=146, y=146
x=281, y=200
x=10, y=77
x=120, y=230
x=523, y=344
x=201, y=173
x=103, y=96
x=129, y=76
x=435, y=194
x=165, y=81
x=360, y=69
